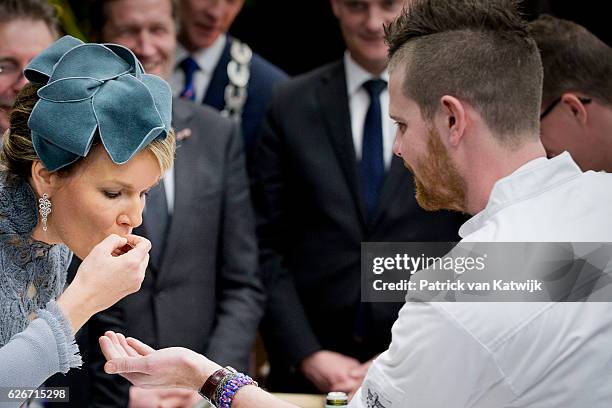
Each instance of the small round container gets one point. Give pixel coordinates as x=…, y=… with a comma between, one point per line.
x=336, y=399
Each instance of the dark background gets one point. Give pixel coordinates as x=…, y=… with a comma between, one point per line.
x=299, y=35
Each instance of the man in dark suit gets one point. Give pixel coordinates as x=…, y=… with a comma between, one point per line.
x=201, y=290
x=215, y=69
x=326, y=180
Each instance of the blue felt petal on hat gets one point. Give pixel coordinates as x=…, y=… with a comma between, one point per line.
x=162, y=95
x=129, y=57
x=90, y=60
x=70, y=126
x=127, y=117
x=40, y=68
x=70, y=89
x=52, y=156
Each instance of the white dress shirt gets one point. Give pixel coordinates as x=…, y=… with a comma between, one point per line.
x=483, y=355
x=206, y=58
x=169, y=189
x=359, y=102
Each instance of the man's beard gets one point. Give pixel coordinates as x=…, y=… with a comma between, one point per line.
x=438, y=183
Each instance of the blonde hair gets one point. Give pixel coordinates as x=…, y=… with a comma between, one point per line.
x=163, y=150
x=18, y=152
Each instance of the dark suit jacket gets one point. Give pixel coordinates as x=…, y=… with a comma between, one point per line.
x=204, y=294
x=263, y=77
x=311, y=222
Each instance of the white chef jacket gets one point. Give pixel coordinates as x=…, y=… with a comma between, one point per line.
x=493, y=355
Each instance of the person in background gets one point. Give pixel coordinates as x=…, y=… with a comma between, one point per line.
x=218, y=70
x=202, y=276
x=577, y=93
x=26, y=28
x=326, y=180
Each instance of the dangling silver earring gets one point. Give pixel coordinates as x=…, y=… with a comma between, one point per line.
x=44, y=205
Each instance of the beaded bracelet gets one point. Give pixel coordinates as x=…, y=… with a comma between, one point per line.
x=221, y=386
x=231, y=387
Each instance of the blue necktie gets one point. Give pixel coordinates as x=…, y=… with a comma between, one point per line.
x=189, y=66
x=372, y=158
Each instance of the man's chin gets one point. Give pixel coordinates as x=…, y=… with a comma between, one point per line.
x=423, y=197
x=427, y=204
x=432, y=201
x=432, y=206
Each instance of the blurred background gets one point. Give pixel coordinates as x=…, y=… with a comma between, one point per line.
x=298, y=36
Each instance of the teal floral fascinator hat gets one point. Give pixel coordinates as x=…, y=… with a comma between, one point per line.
x=94, y=90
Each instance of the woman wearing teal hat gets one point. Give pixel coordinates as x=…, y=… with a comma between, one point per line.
x=88, y=137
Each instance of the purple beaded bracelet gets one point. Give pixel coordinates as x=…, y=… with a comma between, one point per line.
x=231, y=387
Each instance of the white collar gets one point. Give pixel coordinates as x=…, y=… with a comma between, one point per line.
x=207, y=58
x=356, y=75
x=529, y=180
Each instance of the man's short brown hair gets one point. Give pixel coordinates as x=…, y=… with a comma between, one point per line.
x=574, y=59
x=479, y=51
x=36, y=10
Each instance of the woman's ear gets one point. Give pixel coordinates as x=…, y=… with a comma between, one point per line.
x=43, y=181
